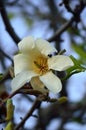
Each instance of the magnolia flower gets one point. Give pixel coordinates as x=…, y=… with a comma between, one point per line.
x=33, y=64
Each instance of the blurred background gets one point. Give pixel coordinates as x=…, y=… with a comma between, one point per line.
x=63, y=23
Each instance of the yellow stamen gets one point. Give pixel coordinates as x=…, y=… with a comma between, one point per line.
x=40, y=65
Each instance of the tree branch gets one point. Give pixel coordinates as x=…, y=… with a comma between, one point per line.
x=76, y=17
x=61, y=30
x=6, y=21
x=35, y=105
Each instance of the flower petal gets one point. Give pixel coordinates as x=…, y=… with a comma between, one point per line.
x=22, y=63
x=60, y=62
x=21, y=79
x=52, y=82
x=44, y=47
x=26, y=44
x=38, y=85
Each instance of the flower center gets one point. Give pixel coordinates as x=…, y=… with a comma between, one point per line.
x=40, y=65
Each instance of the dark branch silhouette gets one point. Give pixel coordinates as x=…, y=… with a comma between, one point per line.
x=6, y=21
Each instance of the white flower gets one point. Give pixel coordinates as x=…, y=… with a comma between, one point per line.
x=34, y=65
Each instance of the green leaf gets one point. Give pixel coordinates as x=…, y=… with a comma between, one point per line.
x=10, y=109
x=76, y=119
x=77, y=68
x=28, y=21
x=11, y=15
x=73, y=30
x=9, y=126
x=62, y=99
x=1, y=76
x=80, y=51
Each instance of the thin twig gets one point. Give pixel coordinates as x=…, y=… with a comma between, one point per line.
x=3, y=121
x=29, y=91
x=6, y=21
x=76, y=18
x=67, y=6
x=61, y=30
x=35, y=105
x=5, y=76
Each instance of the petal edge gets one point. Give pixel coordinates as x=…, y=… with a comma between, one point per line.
x=21, y=79
x=44, y=47
x=52, y=82
x=26, y=44
x=60, y=62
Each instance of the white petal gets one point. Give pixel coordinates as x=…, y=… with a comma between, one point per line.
x=21, y=63
x=52, y=82
x=44, y=47
x=60, y=62
x=26, y=44
x=21, y=79
x=38, y=85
